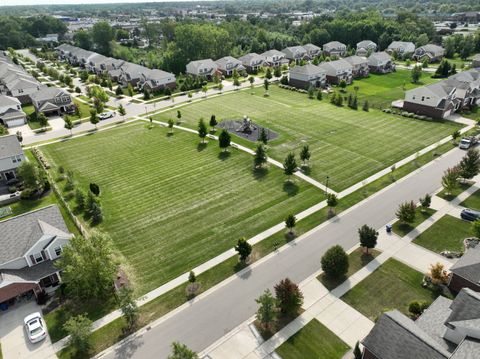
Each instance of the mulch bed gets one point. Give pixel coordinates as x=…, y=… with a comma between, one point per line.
x=233, y=125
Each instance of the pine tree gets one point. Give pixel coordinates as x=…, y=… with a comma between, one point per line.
x=260, y=156
x=202, y=130
x=290, y=165
x=224, y=140
x=305, y=154
x=263, y=136
x=365, y=106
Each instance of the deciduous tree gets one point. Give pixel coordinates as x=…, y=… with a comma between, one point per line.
x=335, y=262
x=129, y=307
x=244, y=249
x=305, y=154
x=289, y=297
x=260, y=156
x=406, y=212
x=224, y=140
x=202, y=130
x=79, y=329
x=470, y=164
x=290, y=223
x=450, y=179
x=368, y=237
x=181, y=351
x=289, y=165
x=266, y=312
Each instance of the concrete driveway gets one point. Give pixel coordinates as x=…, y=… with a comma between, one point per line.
x=13, y=338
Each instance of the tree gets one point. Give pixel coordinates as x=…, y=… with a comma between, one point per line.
x=202, y=130
x=406, y=212
x=82, y=39
x=220, y=87
x=130, y=90
x=268, y=73
x=335, y=262
x=260, y=156
x=102, y=35
x=80, y=199
x=368, y=237
x=470, y=164
x=244, y=249
x=263, y=136
x=181, y=351
x=277, y=72
x=213, y=122
x=88, y=266
x=170, y=125
x=289, y=165
x=311, y=92
x=30, y=174
x=266, y=84
x=290, y=223
x=476, y=228
x=121, y=111
x=79, y=329
x=129, y=307
x=205, y=90
x=94, y=188
x=224, y=140
x=343, y=84
x=416, y=74
x=438, y=274
x=192, y=278
x=305, y=154
x=289, y=297
x=42, y=120
x=425, y=202
x=455, y=135
x=332, y=202
x=365, y=106
x=251, y=79
x=319, y=95
x=119, y=91
x=19, y=136
x=69, y=124
x=236, y=83
x=266, y=312
x=179, y=117
x=146, y=94
x=450, y=179
x=93, y=117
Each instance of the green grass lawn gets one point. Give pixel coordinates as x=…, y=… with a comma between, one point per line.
x=404, y=228
x=169, y=203
x=447, y=233
x=346, y=145
x=356, y=261
x=381, y=89
x=313, y=341
x=391, y=286
x=462, y=186
x=473, y=201
x=84, y=110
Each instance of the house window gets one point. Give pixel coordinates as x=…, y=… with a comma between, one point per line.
x=14, y=159
x=423, y=98
x=58, y=251
x=38, y=258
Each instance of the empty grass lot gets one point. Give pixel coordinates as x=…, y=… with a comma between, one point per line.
x=171, y=204
x=447, y=234
x=391, y=286
x=313, y=341
x=381, y=89
x=346, y=145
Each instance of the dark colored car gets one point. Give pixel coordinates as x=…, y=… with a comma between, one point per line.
x=470, y=214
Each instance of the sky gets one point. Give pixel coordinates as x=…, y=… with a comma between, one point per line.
x=53, y=2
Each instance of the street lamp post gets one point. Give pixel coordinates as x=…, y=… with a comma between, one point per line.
x=326, y=186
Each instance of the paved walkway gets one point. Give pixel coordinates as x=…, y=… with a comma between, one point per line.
x=327, y=307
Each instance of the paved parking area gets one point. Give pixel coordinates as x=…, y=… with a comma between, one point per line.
x=15, y=344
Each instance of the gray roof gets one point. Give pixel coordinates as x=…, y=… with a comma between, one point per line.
x=307, y=69
x=311, y=47
x=406, y=45
x=273, y=53
x=20, y=233
x=202, y=63
x=379, y=56
x=30, y=274
x=438, y=89
x=432, y=48
x=469, y=348
x=365, y=44
x=333, y=45
x=8, y=101
x=11, y=114
x=466, y=306
x=251, y=56
x=335, y=65
x=395, y=336
x=9, y=146
x=222, y=63
x=356, y=60
x=47, y=93
x=468, y=266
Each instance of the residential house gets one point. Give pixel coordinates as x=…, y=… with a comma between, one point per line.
x=202, y=68
x=11, y=113
x=381, y=62
x=436, y=100
x=52, y=100
x=467, y=84
x=274, y=58
x=334, y=48
x=31, y=244
x=476, y=61
x=365, y=48
x=252, y=62
x=11, y=156
x=131, y=74
x=296, y=53
x=228, y=64
x=465, y=273
x=15, y=82
x=338, y=70
x=403, y=49
x=79, y=57
x=111, y=64
x=359, y=66
x=447, y=329
x=156, y=80
x=429, y=52
x=95, y=62
x=64, y=51
x=307, y=76
x=312, y=50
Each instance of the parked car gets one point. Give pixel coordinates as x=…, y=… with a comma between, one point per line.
x=35, y=327
x=470, y=215
x=105, y=115
x=468, y=142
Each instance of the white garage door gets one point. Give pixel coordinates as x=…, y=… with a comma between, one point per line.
x=17, y=122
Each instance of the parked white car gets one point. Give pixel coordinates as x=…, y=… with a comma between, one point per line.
x=35, y=327
x=105, y=115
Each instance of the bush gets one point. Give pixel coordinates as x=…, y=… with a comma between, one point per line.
x=335, y=262
x=28, y=193
x=417, y=308
x=12, y=189
x=42, y=298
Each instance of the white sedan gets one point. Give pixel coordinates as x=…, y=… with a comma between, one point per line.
x=35, y=327
x=105, y=115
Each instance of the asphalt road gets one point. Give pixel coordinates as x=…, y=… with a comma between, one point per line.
x=207, y=320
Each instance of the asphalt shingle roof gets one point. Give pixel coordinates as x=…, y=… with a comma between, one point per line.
x=468, y=266
x=9, y=146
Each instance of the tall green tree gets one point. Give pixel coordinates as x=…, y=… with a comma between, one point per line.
x=368, y=237
x=470, y=164
x=305, y=154
x=102, y=35
x=260, y=156
x=450, y=179
x=335, y=262
x=406, y=212
x=416, y=74
x=244, y=249
x=68, y=124
x=129, y=307
x=181, y=351
x=30, y=174
x=79, y=329
x=290, y=222
x=88, y=266
x=202, y=130
x=224, y=140
x=289, y=297
x=266, y=312
x=289, y=165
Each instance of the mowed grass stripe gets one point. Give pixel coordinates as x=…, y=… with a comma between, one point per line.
x=170, y=205
x=347, y=145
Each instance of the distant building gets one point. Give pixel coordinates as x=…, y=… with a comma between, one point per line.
x=228, y=64
x=381, y=62
x=274, y=58
x=366, y=47
x=338, y=71
x=359, y=66
x=307, y=76
x=48, y=38
x=296, y=53
x=334, y=48
x=430, y=52
x=403, y=49
x=203, y=68
x=252, y=62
